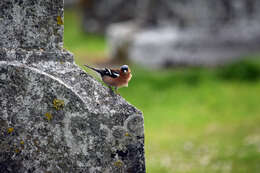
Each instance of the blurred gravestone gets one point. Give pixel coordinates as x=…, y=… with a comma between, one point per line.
x=71, y=3
x=196, y=32
x=54, y=117
x=98, y=14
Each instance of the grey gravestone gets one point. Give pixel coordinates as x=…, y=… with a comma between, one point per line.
x=71, y=3
x=99, y=14
x=53, y=116
x=195, y=32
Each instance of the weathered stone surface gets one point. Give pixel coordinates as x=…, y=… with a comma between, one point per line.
x=93, y=131
x=196, y=32
x=31, y=24
x=56, y=118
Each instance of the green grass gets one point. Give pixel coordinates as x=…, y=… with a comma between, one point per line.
x=197, y=120
x=84, y=46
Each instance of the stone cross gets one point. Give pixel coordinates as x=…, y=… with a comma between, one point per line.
x=53, y=116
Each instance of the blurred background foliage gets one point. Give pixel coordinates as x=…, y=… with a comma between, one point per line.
x=197, y=119
x=84, y=46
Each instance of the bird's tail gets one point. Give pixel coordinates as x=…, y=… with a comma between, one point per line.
x=92, y=68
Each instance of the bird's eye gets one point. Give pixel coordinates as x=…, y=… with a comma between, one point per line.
x=124, y=68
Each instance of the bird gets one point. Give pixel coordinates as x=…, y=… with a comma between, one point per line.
x=116, y=78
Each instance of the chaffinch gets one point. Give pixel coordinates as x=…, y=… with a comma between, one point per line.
x=114, y=77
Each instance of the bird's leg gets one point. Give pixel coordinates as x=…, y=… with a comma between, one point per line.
x=110, y=89
x=116, y=91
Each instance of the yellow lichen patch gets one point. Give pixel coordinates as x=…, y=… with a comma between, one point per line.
x=17, y=150
x=48, y=116
x=10, y=130
x=127, y=134
x=22, y=142
x=118, y=163
x=59, y=20
x=58, y=104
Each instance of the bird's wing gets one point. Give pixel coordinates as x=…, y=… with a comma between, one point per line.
x=106, y=72
x=111, y=73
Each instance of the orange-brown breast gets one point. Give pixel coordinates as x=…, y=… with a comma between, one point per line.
x=121, y=81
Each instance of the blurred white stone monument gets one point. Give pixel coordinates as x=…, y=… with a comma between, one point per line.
x=196, y=32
